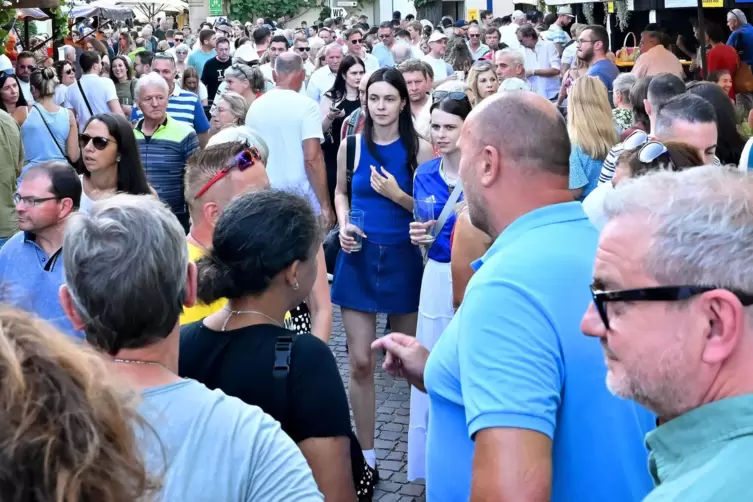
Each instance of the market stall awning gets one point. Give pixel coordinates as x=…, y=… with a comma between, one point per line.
x=151, y=8
x=36, y=14
x=102, y=9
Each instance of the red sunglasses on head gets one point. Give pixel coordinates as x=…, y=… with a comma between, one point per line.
x=245, y=159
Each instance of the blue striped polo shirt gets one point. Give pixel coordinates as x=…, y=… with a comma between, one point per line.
x=183, y=106
x=164, y=155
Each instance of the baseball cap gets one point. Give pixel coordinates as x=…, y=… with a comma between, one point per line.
x=518, y=13
x=436, y=36
x=5, y=64
x=565, y=11
x=460, y=23
x=246, y=53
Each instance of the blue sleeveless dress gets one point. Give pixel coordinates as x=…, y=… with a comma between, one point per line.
x=385, y=275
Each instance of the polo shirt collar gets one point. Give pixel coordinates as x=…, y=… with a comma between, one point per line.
x=176, y=91
x=48, y=263
x=543, y=216
x=713, y=423
x=140, y=123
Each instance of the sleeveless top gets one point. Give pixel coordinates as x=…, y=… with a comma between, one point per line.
x=86, y=203
x=385, y=222
x=38, y=145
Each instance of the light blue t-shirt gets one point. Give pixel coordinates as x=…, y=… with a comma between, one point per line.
x=383, y=55
x=198, y=59
x=584, y=171
x=30, y=280
x=219, y=449
x=514, y=357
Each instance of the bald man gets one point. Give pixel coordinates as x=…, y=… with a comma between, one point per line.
x=513, y=366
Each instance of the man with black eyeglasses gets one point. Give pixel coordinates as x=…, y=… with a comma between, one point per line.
x=356, y=47
x=302, y=48
x=31, y=262
x=25, y=64
x=214, y=69
x=673, y=314
x=477, y=48
x=383, y=50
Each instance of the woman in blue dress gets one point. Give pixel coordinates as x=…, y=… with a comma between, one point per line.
x=436, y=179
x=384, y=276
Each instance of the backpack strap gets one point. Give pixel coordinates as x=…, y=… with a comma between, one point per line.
x=350, y=150
x=280, y=371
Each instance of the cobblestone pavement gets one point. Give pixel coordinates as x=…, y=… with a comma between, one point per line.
x=392, y=405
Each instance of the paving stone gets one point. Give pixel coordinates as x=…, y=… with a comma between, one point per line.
x=393, y=411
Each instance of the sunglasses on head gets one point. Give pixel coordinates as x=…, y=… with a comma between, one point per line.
x=99, y=142
x=455, y=95
x=245, y=159
x=652, y=151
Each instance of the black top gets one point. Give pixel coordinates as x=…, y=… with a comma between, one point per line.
x=239, y=362
x=331, y=144
x=213, y=75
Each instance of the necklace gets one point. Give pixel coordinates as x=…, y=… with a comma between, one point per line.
x=196, y=241
x=451, y=182
x=243, y=312
x=136, y=361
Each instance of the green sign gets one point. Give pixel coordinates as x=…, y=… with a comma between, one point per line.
x=215, y=8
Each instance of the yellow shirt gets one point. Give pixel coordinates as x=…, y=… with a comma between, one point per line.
x=200, y=310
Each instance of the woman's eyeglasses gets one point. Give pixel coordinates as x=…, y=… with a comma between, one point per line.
x=99, y=142
x=245, y=159
x=456, y=95
x=68, y=71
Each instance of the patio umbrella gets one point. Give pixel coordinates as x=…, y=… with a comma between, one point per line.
x=150, y=8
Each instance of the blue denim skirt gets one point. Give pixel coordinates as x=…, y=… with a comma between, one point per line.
x=379, y=278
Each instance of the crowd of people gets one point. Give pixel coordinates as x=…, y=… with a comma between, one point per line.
x=560, y=250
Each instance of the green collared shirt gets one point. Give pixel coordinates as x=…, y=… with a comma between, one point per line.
x=705, y=454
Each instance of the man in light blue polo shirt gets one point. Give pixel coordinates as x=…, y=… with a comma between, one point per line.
x=518, y=406
x=31, y=262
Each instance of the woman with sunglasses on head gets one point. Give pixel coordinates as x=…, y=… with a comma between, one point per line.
x=66, y=74
x=337, y=104
x=381, y=272
x=592, y=133
x=50, y=132
x=482, y=80
x=190, y=82
x=111, y=160
x=244, y=80
x=644, y=155
x=122, y=76
x=12, y=100
x=125, y=45
x=437, y=181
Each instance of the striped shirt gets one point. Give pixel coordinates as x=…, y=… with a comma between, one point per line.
x=183, y=106
x=164, y=155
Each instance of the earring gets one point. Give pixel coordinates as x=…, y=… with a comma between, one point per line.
x=118, y=158
x=295, y=286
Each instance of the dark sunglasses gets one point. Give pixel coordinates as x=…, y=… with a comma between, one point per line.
x=474, y=36
x=357, y=41
x=27, y=67
x=69, y=71
x=99, y=142
x=455, y=95
x=658, y=294
x=245, y=159
x=304, y=49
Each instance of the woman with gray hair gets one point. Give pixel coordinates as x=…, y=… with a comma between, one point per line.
x=622, y=113
x=181, y=55
x=244, y=80
x=229, y=111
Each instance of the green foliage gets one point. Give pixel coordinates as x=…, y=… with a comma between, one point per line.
x=6, y=18
x=245, y=10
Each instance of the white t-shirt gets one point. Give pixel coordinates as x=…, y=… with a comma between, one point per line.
x=438, y=65
x=26, y=90
x=99, y=92
x=320, y=82
x=285, y=119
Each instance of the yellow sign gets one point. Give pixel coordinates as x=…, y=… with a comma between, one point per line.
x=610, y=7
x=713, y=3
x=473, y=14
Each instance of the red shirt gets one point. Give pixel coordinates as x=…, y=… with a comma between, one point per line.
x=723, y=57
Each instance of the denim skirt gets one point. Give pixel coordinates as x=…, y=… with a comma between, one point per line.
x=379, y=278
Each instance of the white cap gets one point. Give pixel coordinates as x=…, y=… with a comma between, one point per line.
x=436, y=36
x=565, y=11
x=518, y=13
x=246, y=52
x=5, y=63
x=426, y=22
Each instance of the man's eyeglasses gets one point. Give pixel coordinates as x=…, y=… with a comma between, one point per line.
x=245, y=159
x=303, y=49
x=99, y=142
x=356, y=41
x=581, y=41
x=29, y=67
x=474, y=36
x=385, y=36
x=455, y=95
x=657, y=294
x=31, y=201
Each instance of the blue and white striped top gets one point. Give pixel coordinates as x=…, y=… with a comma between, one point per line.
x=183, y=106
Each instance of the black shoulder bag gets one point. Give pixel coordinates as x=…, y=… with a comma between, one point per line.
x=332, y=241
x=83, y=95
x=79, y=164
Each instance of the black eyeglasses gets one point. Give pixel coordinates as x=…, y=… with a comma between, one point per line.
x=356, y=41
x=456, y=95
x=657, y=294
x=31, y=201
x=30, y=67
x=99, y=142
x=303, y=49
x=474, y=36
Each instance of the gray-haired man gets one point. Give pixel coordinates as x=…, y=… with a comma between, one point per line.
x=127, y=279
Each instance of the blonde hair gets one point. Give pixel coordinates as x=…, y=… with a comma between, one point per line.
x=67, y=429
x=238, y=106
x=589, y=118
x=476, y=71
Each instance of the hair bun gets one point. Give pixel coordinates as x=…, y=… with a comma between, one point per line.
x=48, y=73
